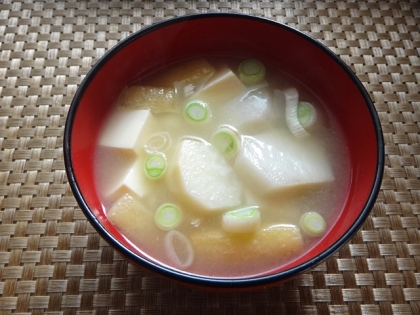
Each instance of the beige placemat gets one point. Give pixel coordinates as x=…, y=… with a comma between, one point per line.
x=51, y=259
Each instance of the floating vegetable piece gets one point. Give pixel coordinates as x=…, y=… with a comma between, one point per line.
x=202, y=178
x=155, y=99
x=306, y=114
x=312, y=223
x=299, y=116
x=245, y=220
x=251, y=71
x=271, y=162
x=168, y=216
x=179, y=249
x=252, y=111
x=197, y=111
x=227, y=140
x=292, y=121
x=155, y=165
x=158, y=141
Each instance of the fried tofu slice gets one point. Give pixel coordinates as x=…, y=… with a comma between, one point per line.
x=231, y=254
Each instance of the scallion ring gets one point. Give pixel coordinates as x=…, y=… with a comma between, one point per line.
x=292, y=121
x=244, y=220
x=179, y=249
x=155, y=165
x=251, y=71
x=168, y=216
x=158, y=141
x=227, y=140
x=306, y=114
x=312, y=223
x=197, y=111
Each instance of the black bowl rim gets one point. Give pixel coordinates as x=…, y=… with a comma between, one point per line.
x=204, y=281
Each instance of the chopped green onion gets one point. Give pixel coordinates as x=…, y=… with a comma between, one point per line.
x=227, y=141
x=179, y=249
x=292, y=121
x=158, y=141
x=168, y=216
x=306, y=114
x=251, y=71
x=312, y=223
x=155, y=165
x=245, y=220
x=197, y=111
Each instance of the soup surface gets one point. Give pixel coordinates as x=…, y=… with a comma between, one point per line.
x=221, y=167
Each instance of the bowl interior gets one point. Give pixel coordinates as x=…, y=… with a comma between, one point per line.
x=287, y=50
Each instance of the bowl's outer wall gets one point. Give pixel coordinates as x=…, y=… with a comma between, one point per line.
x=279, y=46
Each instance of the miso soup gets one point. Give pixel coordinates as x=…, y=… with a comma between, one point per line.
x=221, y=167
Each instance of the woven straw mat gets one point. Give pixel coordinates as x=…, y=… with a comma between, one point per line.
x=52, y=261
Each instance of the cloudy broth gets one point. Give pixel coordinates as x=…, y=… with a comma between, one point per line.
x=200, y=243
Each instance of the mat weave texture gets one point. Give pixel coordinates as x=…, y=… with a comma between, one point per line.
x=51, y=259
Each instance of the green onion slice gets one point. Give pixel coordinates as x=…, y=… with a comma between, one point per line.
x=312, y=223
x=179, y=249
x=251, y=71
x=292, y=121
x=168, y=216
x=227, y=140
x=155, y=165
x=306, y=114
x=245, y=220
x=197, y=111
x=158, y=141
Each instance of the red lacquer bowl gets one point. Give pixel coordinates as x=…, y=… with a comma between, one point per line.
x=287, y=49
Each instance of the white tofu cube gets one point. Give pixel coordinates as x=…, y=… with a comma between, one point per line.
x=220, y=88
x=202, y=178
x=127, y=131
x=271, y=162
x=134, y=182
